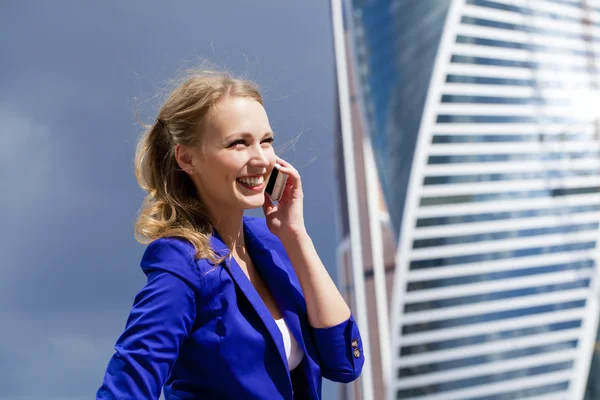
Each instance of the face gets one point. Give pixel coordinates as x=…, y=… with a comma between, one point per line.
x=235, y=158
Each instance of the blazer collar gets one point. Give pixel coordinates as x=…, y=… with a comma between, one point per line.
x=275, y=275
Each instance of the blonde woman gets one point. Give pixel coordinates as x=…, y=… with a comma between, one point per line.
x=234, y=307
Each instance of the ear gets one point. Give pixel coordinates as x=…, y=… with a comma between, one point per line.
x=184, y=158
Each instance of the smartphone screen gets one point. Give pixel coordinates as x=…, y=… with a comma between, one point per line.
x=272, y=180
x=276, y=184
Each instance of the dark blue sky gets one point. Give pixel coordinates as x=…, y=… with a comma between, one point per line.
x=71, y=75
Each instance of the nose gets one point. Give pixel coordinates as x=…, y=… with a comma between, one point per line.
x=259, y=157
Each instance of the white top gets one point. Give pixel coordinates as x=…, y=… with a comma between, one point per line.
x=293, y=352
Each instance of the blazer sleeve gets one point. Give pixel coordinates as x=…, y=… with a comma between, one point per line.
x=340, y=351
x=160, y=320
x=339, y=347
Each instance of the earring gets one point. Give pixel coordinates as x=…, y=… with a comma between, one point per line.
x=191, y=171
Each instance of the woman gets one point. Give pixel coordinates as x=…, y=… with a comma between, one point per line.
x=234, y=307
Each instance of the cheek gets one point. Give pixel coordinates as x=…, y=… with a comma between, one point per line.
x=229, y=168
x=223, y=167
x=271, y=156
x=214, y=173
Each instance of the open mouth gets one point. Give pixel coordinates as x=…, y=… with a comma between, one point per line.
x=254, y=183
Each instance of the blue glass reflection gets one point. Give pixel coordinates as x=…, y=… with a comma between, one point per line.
x=504, y=119
x=485, y=197
x=502, y=255
x=483, y=379
x=479, y=158
x=395, y=71
x=575, y=4
x=526, y=28
x=525, y=11
x=490, y=317
x=526, y=393
x=444, y=138
x=505, y=215
x=494, y=276
x=521, y=46
x=489, y=338
x=493, y=296
x=490, y=236
x=485, y=359
x=458, y=59
x=531, y=175
x=592, y=390
x=451, y=98
x=485, y=80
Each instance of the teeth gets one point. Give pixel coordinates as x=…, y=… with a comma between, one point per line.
x=252, y=181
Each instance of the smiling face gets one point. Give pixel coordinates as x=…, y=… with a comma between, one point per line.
x=235, y=157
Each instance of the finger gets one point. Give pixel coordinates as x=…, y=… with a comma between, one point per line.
x=289, y=170
x=268, y=205
x=284, y=163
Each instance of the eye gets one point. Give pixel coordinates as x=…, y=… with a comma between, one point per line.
x=268, y=140
x=237, y=142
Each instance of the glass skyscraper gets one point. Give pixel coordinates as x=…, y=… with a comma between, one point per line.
x=483, y=117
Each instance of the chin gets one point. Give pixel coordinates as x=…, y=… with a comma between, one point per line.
x=253, y=202
x=256, y=204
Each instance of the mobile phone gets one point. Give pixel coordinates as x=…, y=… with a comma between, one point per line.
x=276, y=184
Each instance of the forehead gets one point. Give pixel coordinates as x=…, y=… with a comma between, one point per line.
x=234, y=115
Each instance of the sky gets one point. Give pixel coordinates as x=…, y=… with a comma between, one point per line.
x=72, y=75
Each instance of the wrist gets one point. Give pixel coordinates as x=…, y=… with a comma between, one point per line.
x=294, y=236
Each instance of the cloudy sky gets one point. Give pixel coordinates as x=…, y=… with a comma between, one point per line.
x=71, y=74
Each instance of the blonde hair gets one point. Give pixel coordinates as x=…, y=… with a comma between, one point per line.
x=172, y=207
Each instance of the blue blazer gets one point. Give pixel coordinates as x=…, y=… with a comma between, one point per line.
x=203, y=332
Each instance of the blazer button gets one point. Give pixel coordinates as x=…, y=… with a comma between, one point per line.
x=356, y=353
x=355, y=343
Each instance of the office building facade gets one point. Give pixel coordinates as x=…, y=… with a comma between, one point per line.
x=483, y=120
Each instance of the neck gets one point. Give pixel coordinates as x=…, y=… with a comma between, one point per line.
x=230, y=227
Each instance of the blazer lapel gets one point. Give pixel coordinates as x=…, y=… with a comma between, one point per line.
x=275, y=275
x=246, y=287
